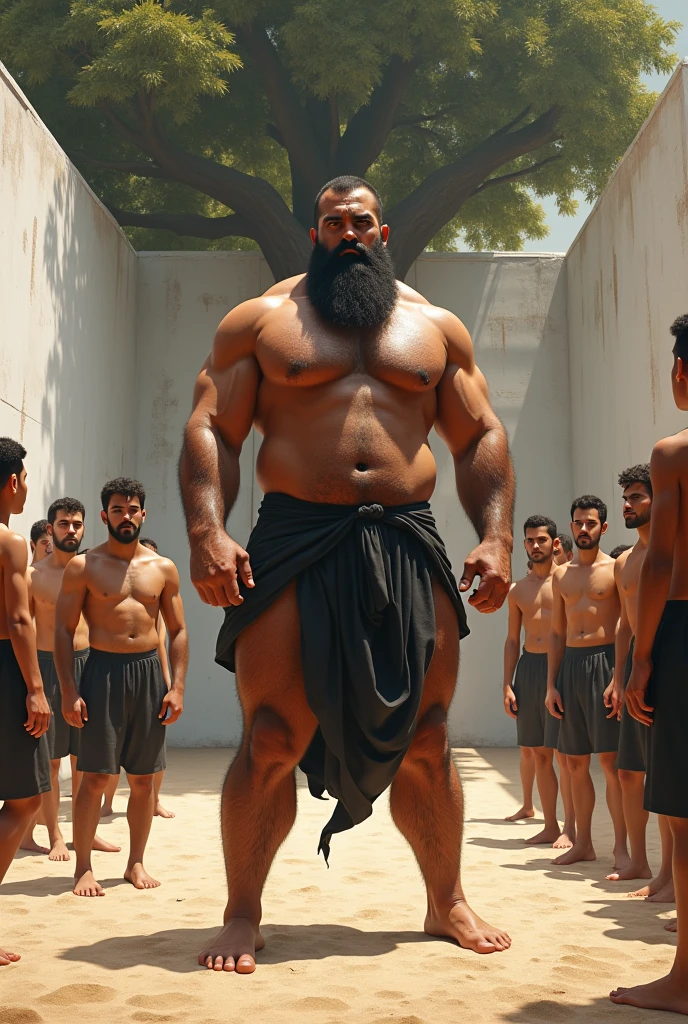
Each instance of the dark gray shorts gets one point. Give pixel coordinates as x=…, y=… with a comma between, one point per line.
x=632, y=733
x=24, y=761
x=584, y=675
x=535, y=727
x=63, y=739
x=123, y=695
x=666, y=791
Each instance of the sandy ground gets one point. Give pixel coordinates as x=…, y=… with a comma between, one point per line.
x=342, y=945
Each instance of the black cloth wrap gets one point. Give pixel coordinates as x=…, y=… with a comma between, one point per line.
x=364, y=590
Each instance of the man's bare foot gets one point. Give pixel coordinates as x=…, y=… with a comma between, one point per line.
x=8, y=958
x=106, y=810
x=139, y=877
x=656, y=892
x=466, y=928
x=664, y=994
x=59, y=851
x=577, y=853
x=671, y=926
x=234, y=948
x=87, y=886
x=565, y=840
x=521, y=813
x=31, y=846
x=104, y=847
x=629, y=872
x=548, y=837
x=162, y=812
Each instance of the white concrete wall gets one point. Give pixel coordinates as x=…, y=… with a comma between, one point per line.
x=67, y=337
x=514, y=306
x=627, y=281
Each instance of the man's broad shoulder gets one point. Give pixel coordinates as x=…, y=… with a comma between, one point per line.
x=12, y=543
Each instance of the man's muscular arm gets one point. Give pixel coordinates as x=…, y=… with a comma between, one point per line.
x=556, y=646
x=172, y=612
x=68, y=609
x=223, y=411
x=511, y=650
x=22, y=632
x=614, y=694
x=484, y=474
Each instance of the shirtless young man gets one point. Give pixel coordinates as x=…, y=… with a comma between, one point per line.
x=631, y=762
x=344, y=371
x=120, y=587
x=585, y=613
x=65, y=530
x=24, y=710
x=657, y=694
x=564, y=553
x=41, y=541
x=530, y=609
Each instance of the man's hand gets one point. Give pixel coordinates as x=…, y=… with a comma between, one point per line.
x=172, y=707
x=74, y=710
x=39, y=714
x=635, y=692
x=553, y=704
x=613, y=699
x=510, y=703
x=491, y=560
x=217, y=565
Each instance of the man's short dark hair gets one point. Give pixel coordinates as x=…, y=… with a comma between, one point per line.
x=587, y=501
x=341, y=186
x=148, y=542
x=679, y=329
x=619, y=549
x=566, y=542
x=122, y=485
x=71, y=505
x=38, y=530
x=534, y=521
x=639, y=474
x=12, y=455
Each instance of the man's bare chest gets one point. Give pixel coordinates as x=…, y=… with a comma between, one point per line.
x=591, y=587
x=116, y=588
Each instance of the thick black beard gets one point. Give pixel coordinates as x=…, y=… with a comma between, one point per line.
x=123, y=538
x=637, y=521
x=67, y=545
x=352, y=291
x=585, y=547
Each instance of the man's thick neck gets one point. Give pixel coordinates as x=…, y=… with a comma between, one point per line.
x=543, y=569
x=588, y=556
x=124, y=551
x=61, y=559
x=644, y=535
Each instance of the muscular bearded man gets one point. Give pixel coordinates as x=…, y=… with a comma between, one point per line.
x=346, y=643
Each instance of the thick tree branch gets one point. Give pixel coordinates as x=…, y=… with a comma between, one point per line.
x=185, y=223
x=524, y=172
x=414, y=119
x=369, y=128
x=517, y=120
x=142, y=170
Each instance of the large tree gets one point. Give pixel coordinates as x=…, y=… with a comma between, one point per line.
x=223, y=121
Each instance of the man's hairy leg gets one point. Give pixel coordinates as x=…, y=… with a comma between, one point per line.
x=427, y=804
x=15, y=815
x=259, y=795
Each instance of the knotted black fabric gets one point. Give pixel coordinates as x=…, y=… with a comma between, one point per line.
x=364, y=589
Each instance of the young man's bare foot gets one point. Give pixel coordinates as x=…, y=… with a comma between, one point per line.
x=521, y=813
x=565, y=840
x=102, y=846
x=671, y=926
x=577, y=853
x=656, y=892
x=234, y=948
x=139, y=877
x=548, y=837
x=629, y=872
x=8, y=958
x=466, y=928
x=59, y=851
x=664, y=994
x=162, y=812
x=87, y=886
x=31, y=846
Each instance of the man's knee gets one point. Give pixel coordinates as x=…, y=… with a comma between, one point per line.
x=140, y=783
x=577, y=764
x=272, y=741
x=608, y=762
x=430, y=743
x=631, y=780
x=24, y=809
x=55, y=769
x=542, y=755
x=95, y=782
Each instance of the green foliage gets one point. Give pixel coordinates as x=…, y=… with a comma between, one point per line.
x=100, y=71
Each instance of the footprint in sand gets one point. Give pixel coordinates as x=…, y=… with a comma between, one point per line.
x=369, y=915
x=73, y=995
x=163, y=1001
x=19, y=1015
x=17, y=911
x=147, y=1017
x=389, y=994
x=398, y=1020
x=321, y=1003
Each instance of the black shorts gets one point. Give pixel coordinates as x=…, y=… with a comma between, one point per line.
x=24, y=760
x=632, y=733
x=63, y=739
x=666, y=791
x=584, y=675
x=123, y=694
x=535, y=727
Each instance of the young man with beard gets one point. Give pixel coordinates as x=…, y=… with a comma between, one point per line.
x=40, y=542
x=585, y=613
x=564, y=553
x=65, y=530
x=24, y=710
x=120, y=588
x=344, y=371
x=530, y=609
x=656, y=694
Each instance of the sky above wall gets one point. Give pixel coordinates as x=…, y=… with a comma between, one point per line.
x=563, y=230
